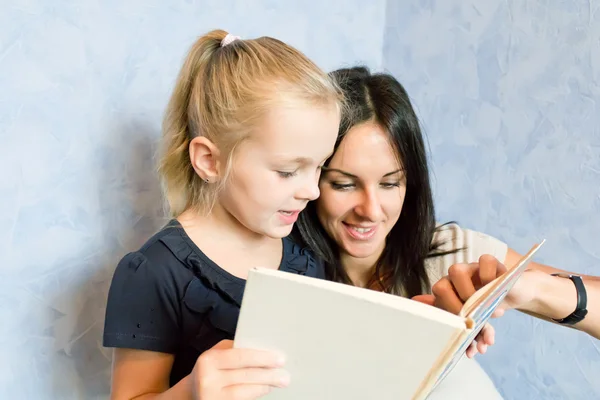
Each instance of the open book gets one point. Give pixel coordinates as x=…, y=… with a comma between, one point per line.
x=343, y=342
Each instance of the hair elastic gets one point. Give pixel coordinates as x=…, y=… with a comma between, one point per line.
x=229, y=39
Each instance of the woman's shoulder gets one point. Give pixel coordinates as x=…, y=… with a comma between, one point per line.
x=454, y=244
x=467, y=243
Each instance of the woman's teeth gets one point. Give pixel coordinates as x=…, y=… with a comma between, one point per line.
x=360, y=232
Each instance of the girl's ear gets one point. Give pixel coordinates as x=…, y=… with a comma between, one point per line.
x=204, y=155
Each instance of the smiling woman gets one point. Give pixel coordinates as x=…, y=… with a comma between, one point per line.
x=375, y=189
x=363, y=190
x=374, y=225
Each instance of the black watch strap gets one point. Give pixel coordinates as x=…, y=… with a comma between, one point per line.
x=581, y=309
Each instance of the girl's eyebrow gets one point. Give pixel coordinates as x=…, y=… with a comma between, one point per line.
x=297, y=160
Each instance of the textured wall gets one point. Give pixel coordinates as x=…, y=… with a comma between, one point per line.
x=508, y=92
x=82, y=89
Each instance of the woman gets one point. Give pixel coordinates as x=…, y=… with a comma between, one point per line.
x=374, y=222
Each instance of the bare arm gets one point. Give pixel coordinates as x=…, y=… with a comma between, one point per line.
x=555, y=297
x=536, y=293
x=144, y=375
x=223, y=373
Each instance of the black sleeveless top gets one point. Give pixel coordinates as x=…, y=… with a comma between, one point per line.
x=170, y=297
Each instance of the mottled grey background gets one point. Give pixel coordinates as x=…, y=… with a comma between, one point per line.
x=507, y=92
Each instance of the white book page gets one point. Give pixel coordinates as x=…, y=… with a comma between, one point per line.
x=343, y=342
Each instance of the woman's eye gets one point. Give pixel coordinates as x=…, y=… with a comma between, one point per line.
x=341, y=186
x=390, y=185
x=285, y=174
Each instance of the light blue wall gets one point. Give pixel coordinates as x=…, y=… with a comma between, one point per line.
x=82, y=89
x=83, y=86
x=509, y=95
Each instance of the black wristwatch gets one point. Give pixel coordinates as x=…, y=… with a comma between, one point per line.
x=581, y=309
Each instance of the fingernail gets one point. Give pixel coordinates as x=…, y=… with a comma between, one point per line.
x=280, y=360
x=285, y=378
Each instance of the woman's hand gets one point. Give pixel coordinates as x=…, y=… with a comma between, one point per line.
x=536, y=292
x=463, y=280
x=224, y=372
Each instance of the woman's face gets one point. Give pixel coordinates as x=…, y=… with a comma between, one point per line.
x=362, y=192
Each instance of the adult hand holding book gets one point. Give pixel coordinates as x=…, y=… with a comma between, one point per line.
x=542, y=291
x=463, y=280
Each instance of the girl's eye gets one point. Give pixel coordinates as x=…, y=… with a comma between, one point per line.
x=390, y=185
x=341, y=186
x=285, y=174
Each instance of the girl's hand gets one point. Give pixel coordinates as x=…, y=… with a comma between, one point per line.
x=224, y=373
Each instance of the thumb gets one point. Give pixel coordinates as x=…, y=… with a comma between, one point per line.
x=425, y=298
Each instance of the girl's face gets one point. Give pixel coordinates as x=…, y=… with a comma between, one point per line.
x=275, y=172
x=362, y=192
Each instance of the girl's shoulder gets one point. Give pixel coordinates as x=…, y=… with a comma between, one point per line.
x=301, y=260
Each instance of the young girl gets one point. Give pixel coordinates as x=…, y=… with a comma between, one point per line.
x=249, y=124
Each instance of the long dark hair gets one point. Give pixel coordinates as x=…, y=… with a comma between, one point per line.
x=401, y=267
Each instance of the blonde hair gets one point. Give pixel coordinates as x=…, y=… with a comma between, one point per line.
x=221, y=93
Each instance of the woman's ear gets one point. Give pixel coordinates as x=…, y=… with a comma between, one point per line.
x=204, y=155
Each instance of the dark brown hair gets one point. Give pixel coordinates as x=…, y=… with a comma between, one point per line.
x=400, y=270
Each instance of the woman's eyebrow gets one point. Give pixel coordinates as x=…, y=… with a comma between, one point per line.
x=348, y=174
x=393, y=172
